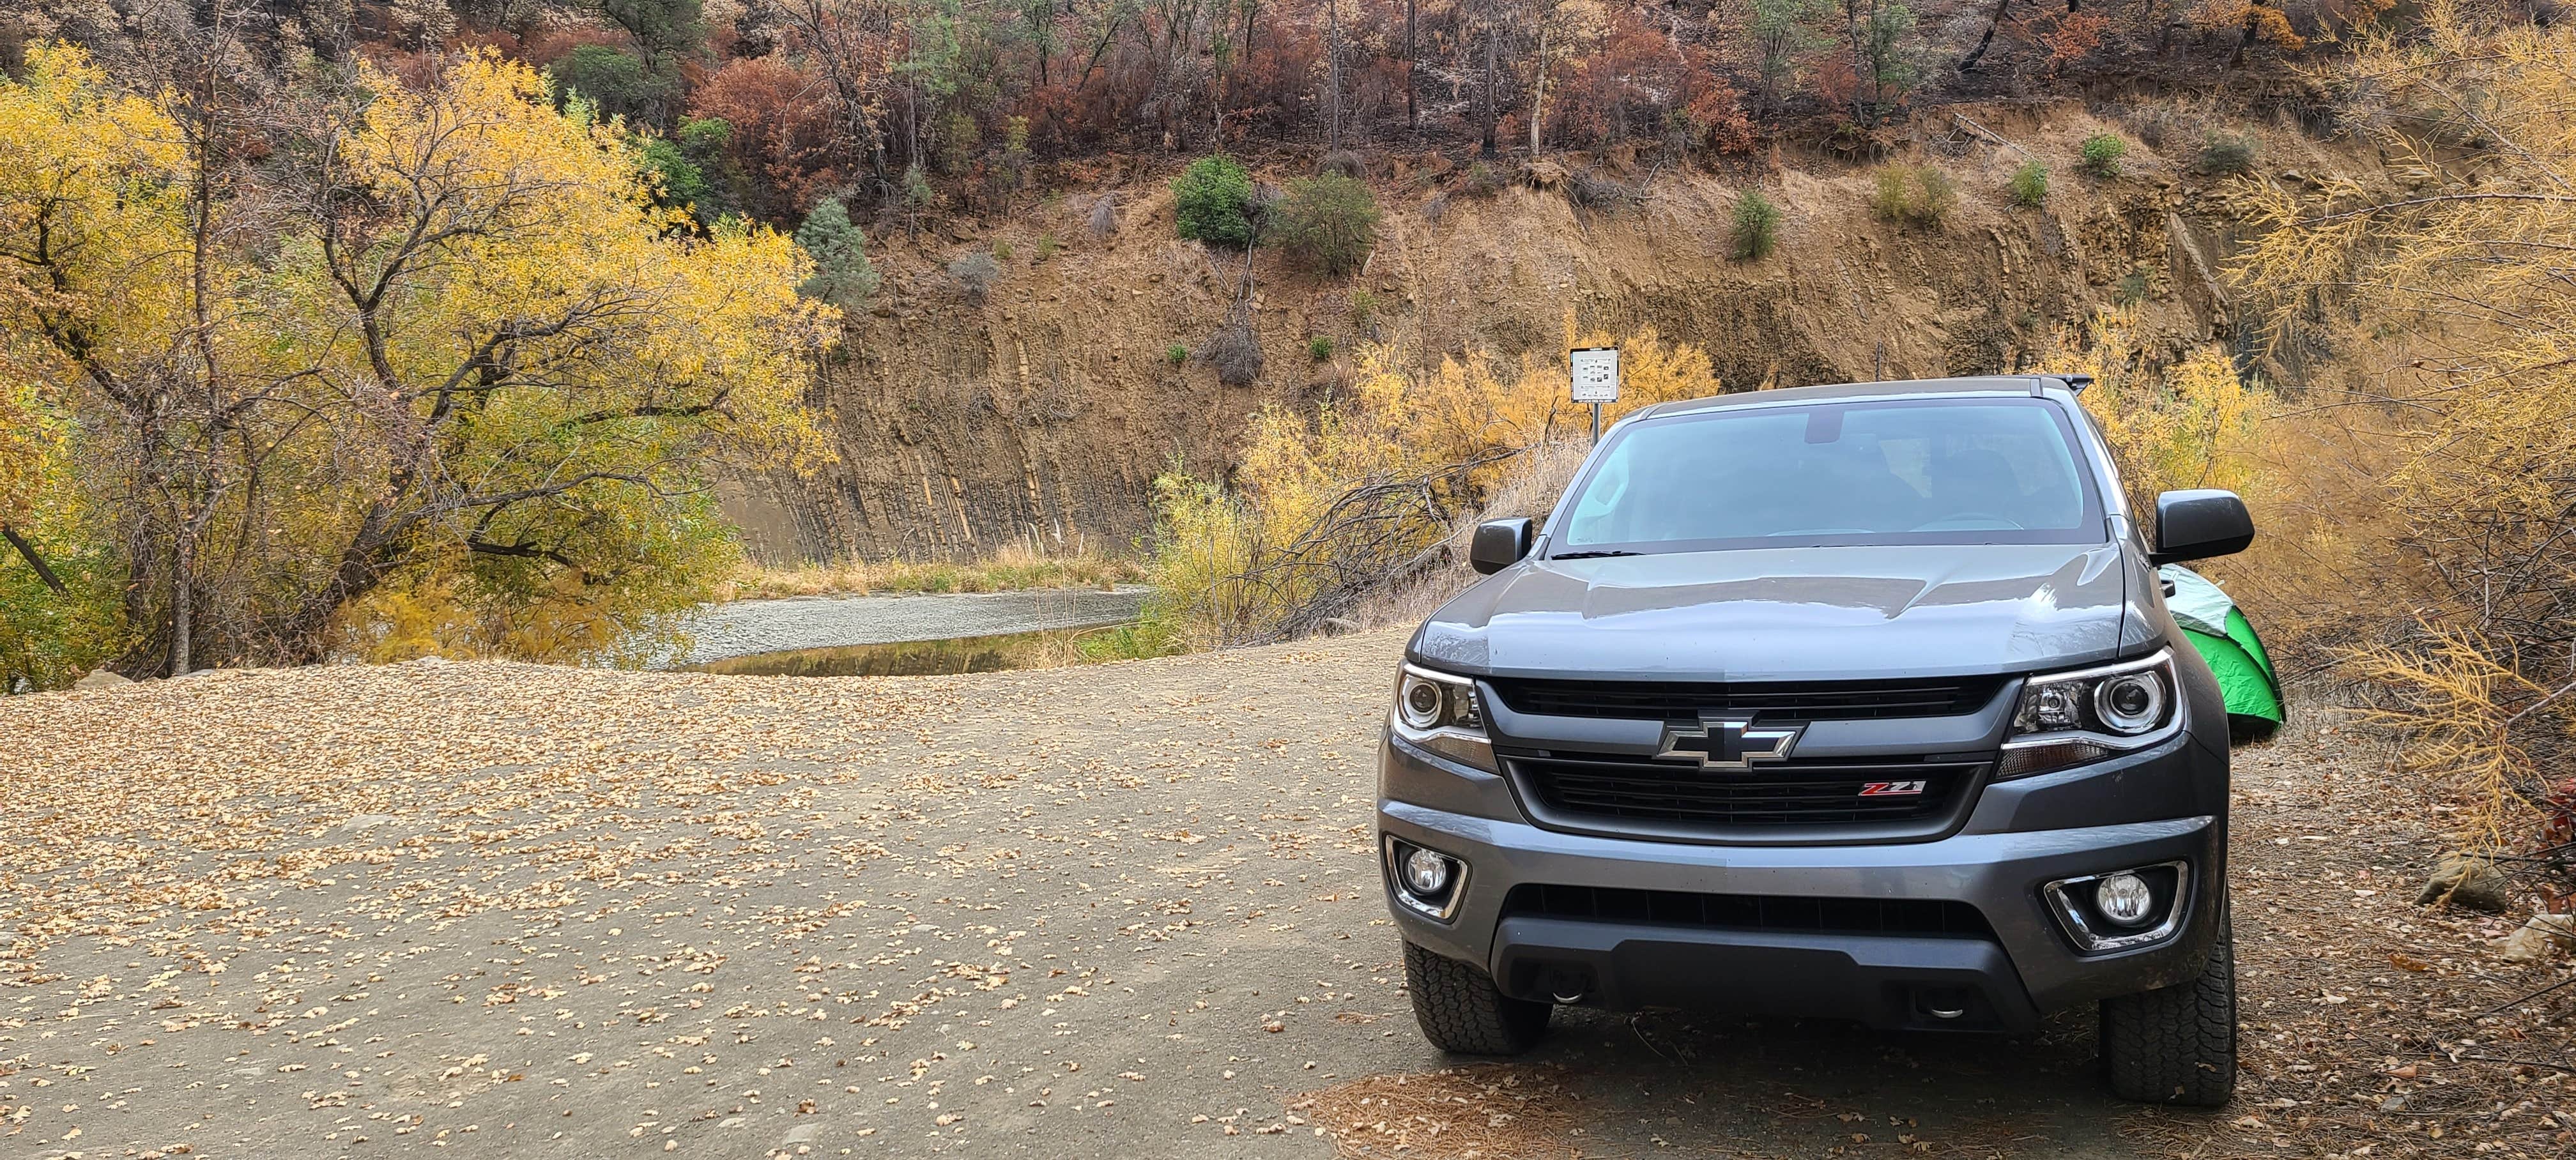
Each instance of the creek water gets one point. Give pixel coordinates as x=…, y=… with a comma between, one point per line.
x=920, y=635
x=911, y=658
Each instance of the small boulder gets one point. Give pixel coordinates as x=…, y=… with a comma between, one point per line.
x=2471, y=882
x=2543, y=936
x=102, y=679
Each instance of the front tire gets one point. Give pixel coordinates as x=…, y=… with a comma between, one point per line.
x=1461, y=1010
x=2177, y=1045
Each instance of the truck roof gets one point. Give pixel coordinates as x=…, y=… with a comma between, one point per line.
x=2023, y=385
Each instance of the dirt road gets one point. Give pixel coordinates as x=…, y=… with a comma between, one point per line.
x=1120, y=911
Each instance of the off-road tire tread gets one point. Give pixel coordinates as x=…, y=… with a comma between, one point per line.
x=1461, y=1010
x=2177, y=1045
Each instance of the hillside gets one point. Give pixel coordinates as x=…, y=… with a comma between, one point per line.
x=1046, y=409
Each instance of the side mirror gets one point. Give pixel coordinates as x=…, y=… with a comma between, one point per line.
x=1499, y=544
x=2198, y=524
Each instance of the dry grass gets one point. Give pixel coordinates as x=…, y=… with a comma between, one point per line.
x=1493, y=1112
x=1013, y=569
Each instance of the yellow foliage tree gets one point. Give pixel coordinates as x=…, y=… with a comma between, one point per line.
x=2194, y=423
x=457, y=343
x=1363, y=495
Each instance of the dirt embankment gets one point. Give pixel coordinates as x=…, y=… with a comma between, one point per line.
x=1045, y=410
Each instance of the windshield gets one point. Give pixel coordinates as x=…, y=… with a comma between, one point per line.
x=1919, y=471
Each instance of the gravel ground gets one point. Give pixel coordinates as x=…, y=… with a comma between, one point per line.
x=747, y=627
x=1124, y=910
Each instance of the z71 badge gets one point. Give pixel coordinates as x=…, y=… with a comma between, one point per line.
x=1891, y=789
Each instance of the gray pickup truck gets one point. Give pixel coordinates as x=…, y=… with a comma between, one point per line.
x=1855, y=702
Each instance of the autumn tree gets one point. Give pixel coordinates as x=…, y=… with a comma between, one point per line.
x=443, y=341
x=1782, y=32
x=781, y=134
x=2469, y=256
x=1880, y=34
x=2490, y=493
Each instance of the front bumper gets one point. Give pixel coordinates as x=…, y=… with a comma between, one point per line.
x=2159, y=805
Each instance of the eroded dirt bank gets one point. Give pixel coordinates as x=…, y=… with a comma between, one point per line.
x=1123, y=910
x=1046, y=409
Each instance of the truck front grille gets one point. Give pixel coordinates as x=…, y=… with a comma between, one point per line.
x=1809, y=701
x=1611, y=790
x=1890, y=916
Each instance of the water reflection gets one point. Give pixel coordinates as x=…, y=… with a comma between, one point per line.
x=912, y=658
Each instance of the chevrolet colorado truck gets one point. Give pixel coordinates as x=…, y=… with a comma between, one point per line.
x=1855, y=702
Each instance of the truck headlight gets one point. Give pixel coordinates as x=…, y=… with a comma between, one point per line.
x=2068, y=719
x=1440, y=712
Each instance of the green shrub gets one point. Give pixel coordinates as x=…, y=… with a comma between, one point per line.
x=1914, y=194
x=2030, y=184
x=1002, y=249
x=2102, y=154
x=1889, y=196
x=1757, y=226
x=1320, y=348
x=1482, y=180
x=2223, y=155
x=843, y=276
x=1938, y=193
x=678, y=181
x=1178, y=354
x=1047, y=246
x=1363, y=310
x=1213, y=199
x=1328, y=222
x=2133, y=287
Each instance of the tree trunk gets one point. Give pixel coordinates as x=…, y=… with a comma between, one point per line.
x=1412, y=113
x=1493, y=51
x=2253, y=16
x=1333, y=72
x=183, y=606
x=1968, y=63
x=1538, y=98
x=1861, y=72
x=34, y=560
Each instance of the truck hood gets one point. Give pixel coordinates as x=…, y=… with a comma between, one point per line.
x=1789, y=614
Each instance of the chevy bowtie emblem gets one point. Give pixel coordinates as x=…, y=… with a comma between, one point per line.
x=1729, y=741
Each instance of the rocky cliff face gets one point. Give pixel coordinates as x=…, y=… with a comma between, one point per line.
x=1044, y=410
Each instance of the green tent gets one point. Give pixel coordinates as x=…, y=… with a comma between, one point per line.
x=2227, y=641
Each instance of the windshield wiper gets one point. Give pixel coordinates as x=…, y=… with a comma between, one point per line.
x=1592, y=555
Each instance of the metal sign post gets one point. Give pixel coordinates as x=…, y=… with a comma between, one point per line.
x=1596, y=379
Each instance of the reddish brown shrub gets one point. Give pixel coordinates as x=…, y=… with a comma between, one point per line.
x=783, y=136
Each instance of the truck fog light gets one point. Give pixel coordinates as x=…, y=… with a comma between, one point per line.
x=2125, y=899
x=1426, y=874
x=1426, y=882
x=2122, y=909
